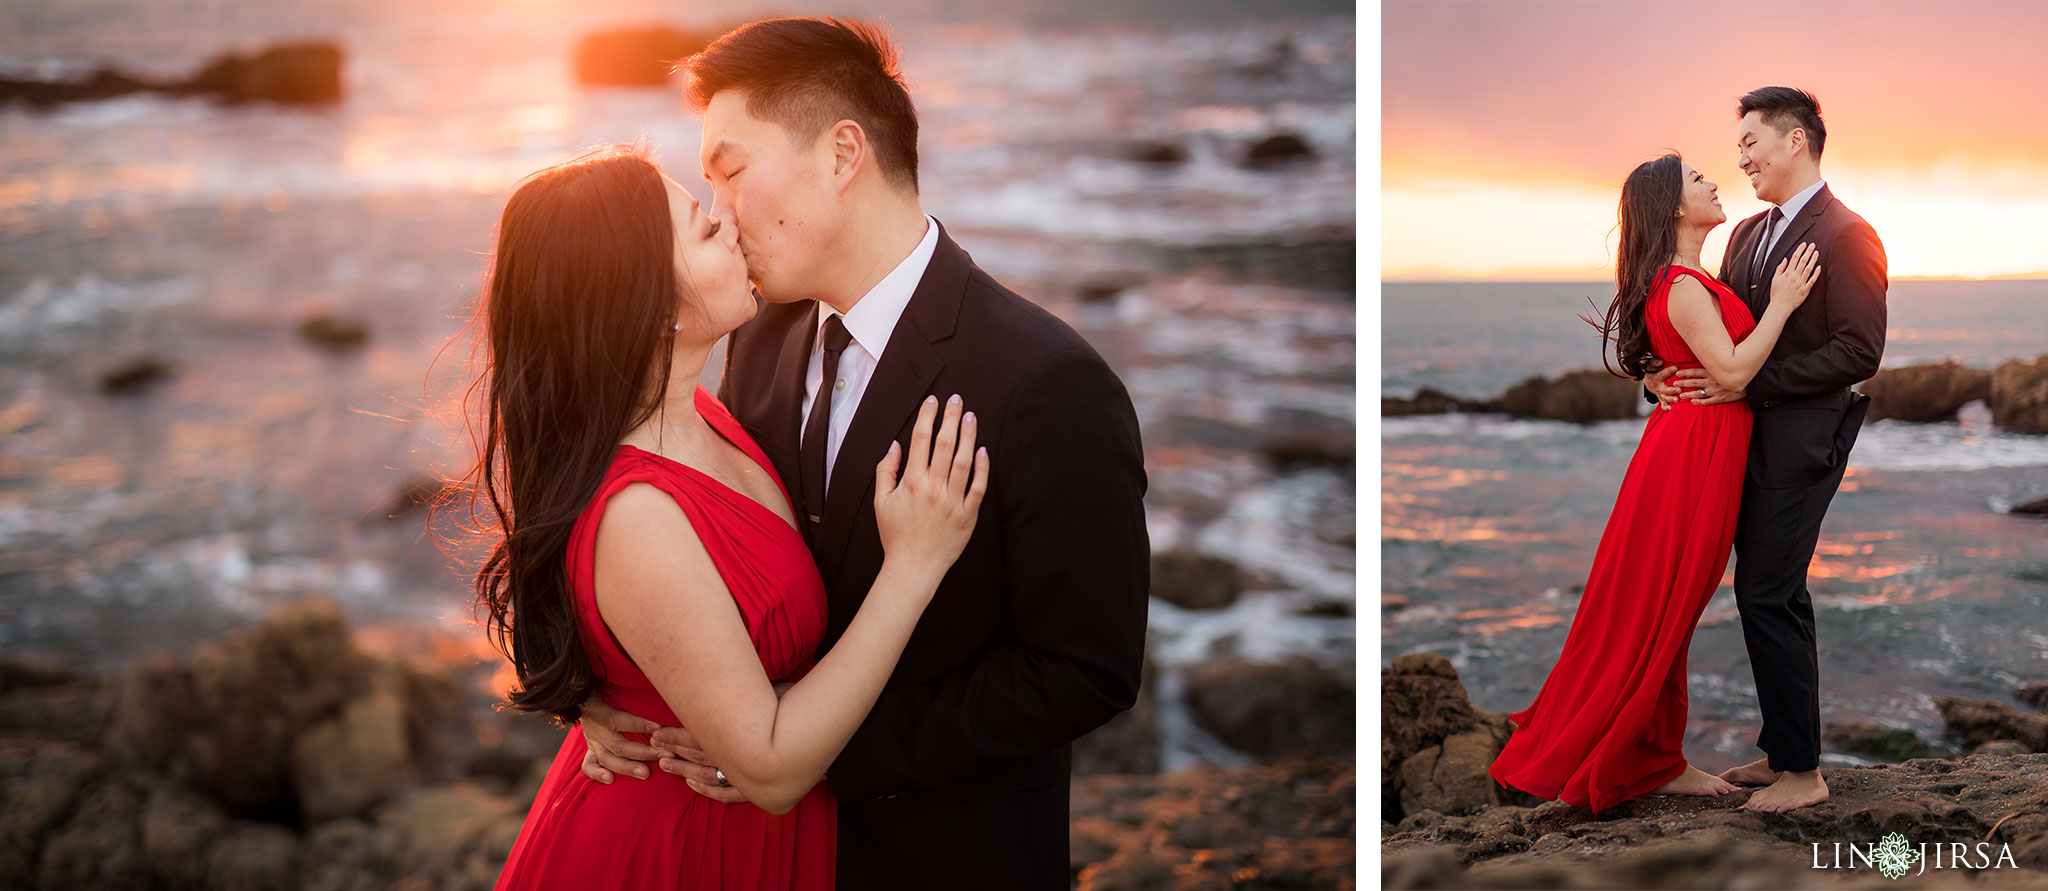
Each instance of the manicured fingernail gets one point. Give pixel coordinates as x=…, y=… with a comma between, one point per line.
x=955, y=400
x=969, y=417
x=932, y=399
x=893, y=446
x=605, y=778
x=983, y=451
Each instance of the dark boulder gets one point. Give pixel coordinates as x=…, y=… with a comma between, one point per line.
x=131, y=375
x=1278, y=149
x=334, y=332
x=1925, y=393
x=1160, y=153
x=306, y=73
x=1274, y=711
x=1583, y=396
x=1429, y=401
x=2019, y=396
x=1193, y=580
x=1978, y=722
x=634, y=57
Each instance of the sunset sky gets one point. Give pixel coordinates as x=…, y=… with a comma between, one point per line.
x=1508, y=126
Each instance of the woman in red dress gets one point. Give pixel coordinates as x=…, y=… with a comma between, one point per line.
x=1609, y=722
x=650, y=553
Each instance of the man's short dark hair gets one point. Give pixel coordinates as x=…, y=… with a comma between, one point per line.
x=807, y=74
x=1785, y=108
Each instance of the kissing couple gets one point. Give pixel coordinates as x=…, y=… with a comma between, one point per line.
x=1751, y=371
x=839, y=624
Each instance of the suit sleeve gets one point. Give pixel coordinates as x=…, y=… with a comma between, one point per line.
x=1852, y=288
x=1067, y=479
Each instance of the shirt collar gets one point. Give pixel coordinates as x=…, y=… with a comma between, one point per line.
x=874, y=316
x=1794, y=204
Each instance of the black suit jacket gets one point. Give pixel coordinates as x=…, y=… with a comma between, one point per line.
x=1806, y=417
x=1037, y=634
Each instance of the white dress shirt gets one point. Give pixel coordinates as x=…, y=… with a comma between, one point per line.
x=871, y=321
x=1791, y=209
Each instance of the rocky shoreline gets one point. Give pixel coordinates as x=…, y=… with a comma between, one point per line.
x=1446, y=824
x=284, y=756
x=2016, y=392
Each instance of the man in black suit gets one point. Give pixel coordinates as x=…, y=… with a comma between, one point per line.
x=1805, y=421
x=958, y=778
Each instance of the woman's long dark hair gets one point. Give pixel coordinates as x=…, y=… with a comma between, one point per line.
x=578, y=311
x=1649, y=237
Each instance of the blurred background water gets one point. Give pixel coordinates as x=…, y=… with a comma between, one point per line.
x=262, y=467
x=1488, y=525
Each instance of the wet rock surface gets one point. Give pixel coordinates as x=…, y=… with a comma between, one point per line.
x=283, y=755
x=1439, y=830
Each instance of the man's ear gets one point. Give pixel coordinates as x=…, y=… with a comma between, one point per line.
x=849, y=153
x=1797, y=138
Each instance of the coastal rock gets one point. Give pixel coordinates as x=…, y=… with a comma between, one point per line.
x=1301, y=440
x=2019, y=396
x=104, y=83
x=1283, y=826
x=1925, y=393
x=1685, y=841
x=344, y=765
x=130, y=375
x=1278, y=149
x=437, y=828
x=178, y=829
x=2035, y=508
x=334, y=332
x=1192, y=580
x=101, y=845
x=1106, y=288
x=255, y=856
x=1882, y=743
x=1161, y=153
x=2035, y=695
x=1980, y=722
x=39, y=782
x=226, y=719
x=1581, y=397
x=634, y=57
x=1428, y=401
x=1435, y=746
x=1274, y=711
x=306, y=73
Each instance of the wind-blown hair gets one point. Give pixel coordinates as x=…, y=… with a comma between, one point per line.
x=578, y=308
x=1649, y=237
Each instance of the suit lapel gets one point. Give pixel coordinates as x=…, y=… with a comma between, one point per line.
x=901, y=381
x=1795, y=229
x=785, y=414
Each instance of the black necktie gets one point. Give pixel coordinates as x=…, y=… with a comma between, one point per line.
x=1763, y=247
x=819, y=427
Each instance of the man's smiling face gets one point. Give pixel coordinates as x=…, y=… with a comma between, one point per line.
x=1767, y=156
x=776, y=189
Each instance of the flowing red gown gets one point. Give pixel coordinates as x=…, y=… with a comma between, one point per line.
x=657, y=833
x=1609, y=722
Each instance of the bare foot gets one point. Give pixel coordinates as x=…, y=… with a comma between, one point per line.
x=1755, y=773
x=1694, y=781
x=1792, y=790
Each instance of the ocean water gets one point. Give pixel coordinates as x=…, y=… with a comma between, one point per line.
x=1923, y=584
x=259, y=470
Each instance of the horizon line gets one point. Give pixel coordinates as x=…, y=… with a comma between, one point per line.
x=1401, y=280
